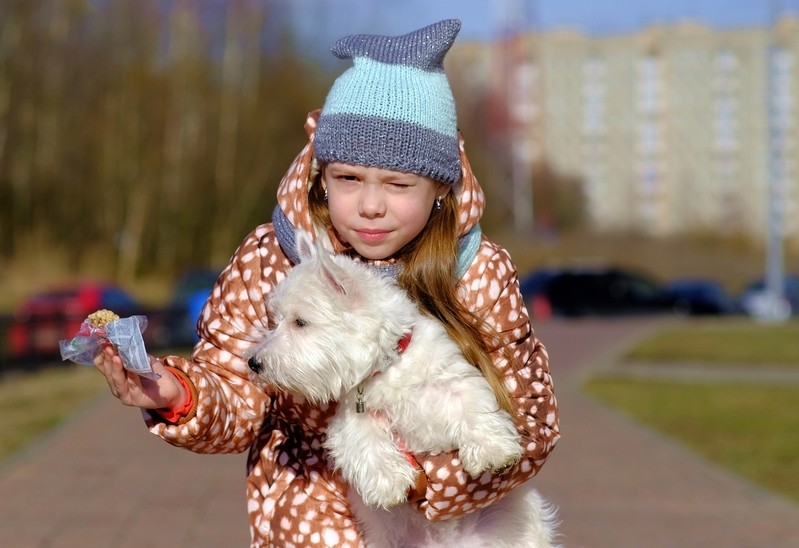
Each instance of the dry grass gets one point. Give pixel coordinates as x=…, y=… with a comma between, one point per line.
x=33, y=403
x=37, y=270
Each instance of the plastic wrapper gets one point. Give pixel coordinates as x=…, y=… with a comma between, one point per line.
x=125, y=334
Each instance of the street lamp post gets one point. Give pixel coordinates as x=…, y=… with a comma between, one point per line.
x=777, y=106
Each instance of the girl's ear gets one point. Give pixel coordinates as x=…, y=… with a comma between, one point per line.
x=306, y=249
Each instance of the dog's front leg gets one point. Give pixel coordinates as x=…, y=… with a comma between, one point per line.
x=486, y=437
x=364, y=450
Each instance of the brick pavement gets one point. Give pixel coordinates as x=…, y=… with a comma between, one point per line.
x=103, y=481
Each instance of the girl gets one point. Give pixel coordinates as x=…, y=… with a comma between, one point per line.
x=383, y=178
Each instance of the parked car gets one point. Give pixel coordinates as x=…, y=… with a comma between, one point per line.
x=533, y=288
x=700, y=296
x=756, y=301
x=43, y=319
x=188, y=297
x=602, y=291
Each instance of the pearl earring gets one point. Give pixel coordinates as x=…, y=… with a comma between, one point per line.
x=325, y=198
x=438, y=202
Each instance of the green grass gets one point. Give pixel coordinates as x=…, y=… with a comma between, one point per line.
x=34, y=403
x=722, y=341
x=749, y=429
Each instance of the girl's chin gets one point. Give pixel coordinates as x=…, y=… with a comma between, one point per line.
x=373, y=252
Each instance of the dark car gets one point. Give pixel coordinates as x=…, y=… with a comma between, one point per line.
x=188, y=297
x=43, y=319
x=605, y=291
x=536, y=282
x=697, y=297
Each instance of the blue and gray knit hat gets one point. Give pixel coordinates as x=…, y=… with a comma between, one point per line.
x=393, y=109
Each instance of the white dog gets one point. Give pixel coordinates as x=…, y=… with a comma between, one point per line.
x=346, y=333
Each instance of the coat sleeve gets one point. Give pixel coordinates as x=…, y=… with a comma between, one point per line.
x=491, y=288
x=230, y=404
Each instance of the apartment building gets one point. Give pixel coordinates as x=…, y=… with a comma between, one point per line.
x=675, y=129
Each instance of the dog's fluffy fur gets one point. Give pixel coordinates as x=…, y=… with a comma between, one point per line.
x=337, y=334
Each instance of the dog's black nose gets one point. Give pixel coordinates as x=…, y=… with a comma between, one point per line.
x=254, y=365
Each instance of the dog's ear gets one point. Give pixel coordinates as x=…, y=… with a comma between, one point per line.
x=306, y=249
x=333, y=274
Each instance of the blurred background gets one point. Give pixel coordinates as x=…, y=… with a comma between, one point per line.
x=638, y=157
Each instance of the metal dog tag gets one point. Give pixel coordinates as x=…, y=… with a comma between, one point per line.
x=359, y=401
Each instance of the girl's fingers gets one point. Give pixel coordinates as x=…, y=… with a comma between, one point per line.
x=119, y=382
x=129, y=388
x=114, y=375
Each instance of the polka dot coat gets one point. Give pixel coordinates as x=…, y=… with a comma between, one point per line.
x=294, y=497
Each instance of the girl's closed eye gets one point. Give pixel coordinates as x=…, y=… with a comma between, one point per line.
x=401, y=183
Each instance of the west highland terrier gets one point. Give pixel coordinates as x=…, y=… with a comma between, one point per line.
x=346, y=333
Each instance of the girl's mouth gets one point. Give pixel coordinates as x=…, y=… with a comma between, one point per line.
x=372, y=236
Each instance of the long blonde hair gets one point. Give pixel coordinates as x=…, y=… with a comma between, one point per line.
x=430, y=263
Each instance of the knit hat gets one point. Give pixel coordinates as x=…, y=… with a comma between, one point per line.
x=393, y=109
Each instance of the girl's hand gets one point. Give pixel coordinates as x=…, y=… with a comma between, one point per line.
x=134, y=390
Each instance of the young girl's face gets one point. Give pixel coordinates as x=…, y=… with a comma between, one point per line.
x=378, y=211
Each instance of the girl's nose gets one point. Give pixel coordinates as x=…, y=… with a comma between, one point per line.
x=372, y=203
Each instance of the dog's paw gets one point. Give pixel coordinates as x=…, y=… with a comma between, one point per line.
x=386, y=494
x=477, y=458
x=499, y=470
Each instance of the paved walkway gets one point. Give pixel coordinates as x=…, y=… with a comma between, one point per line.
x=621, y=485
x=103, y=481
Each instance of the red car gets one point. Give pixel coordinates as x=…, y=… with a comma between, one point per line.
x=45, y=318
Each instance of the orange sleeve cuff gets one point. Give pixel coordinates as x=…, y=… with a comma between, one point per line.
x=187, y=409
x=418, y=491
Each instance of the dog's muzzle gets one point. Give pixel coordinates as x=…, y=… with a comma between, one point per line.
x=254, y=364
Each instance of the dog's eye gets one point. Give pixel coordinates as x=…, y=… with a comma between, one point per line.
x=299, y=322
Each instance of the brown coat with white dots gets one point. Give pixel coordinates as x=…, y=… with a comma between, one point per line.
x=294, y=498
